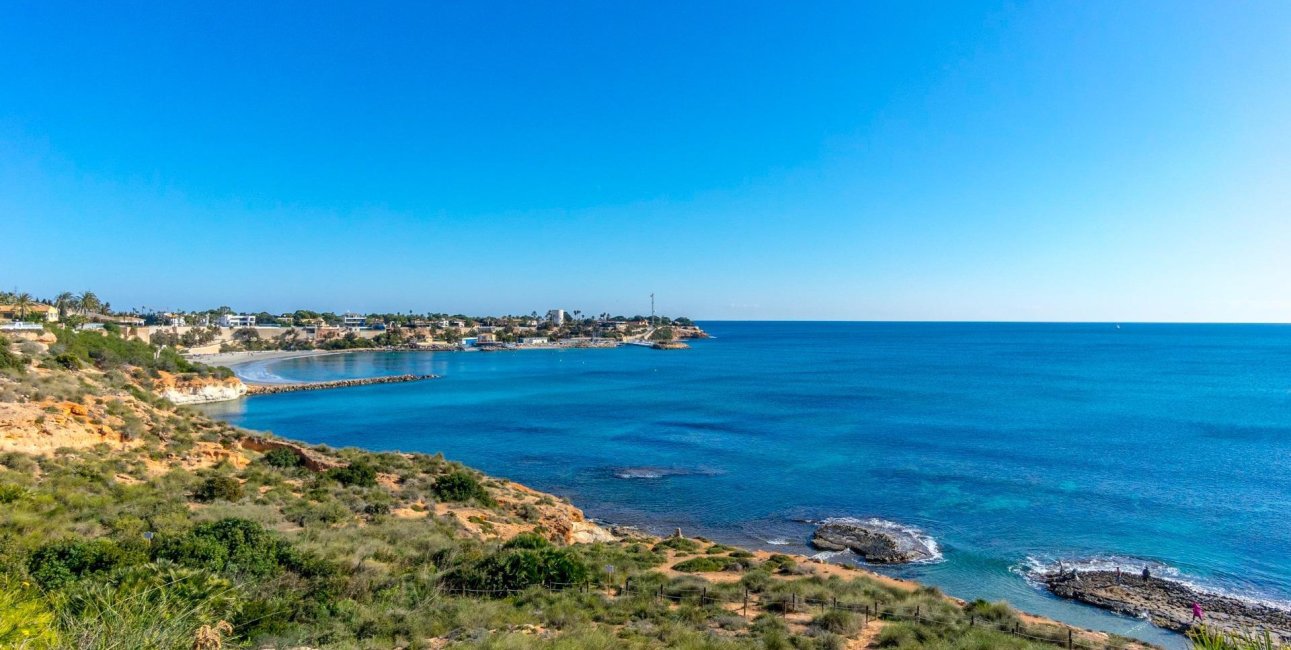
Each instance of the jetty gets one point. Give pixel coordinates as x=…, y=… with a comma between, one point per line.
x=270, y=389
x=1167, y=603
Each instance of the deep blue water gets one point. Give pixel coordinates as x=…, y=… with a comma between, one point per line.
x=1007, y=443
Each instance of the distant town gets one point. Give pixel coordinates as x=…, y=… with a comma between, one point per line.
x=224, y=329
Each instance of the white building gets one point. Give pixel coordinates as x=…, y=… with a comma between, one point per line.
x=351, y=319
x=556, y=316
x=238, y=320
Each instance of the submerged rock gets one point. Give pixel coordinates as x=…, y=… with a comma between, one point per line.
x=875, y=541
x=1166, y=603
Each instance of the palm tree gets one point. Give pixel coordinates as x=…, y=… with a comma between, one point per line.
x=65, y=302
x=23, y=302
x=89, y=302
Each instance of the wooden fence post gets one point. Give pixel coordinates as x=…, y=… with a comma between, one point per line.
x=1069, y=645
x=746, y=602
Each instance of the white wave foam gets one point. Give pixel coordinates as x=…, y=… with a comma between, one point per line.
x=258, y=373
x=778, y=541
x=829, y=555
x=1032, y=568
x=907, y=537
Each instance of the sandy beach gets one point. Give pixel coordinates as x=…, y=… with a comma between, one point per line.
x=236, y=360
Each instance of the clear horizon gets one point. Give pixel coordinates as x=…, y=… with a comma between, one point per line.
x=954, y=162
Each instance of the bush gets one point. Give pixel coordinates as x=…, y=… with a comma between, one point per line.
x=706, y=563
x=460, y=486
x=282, y=458
x=25, y=621
x=10, y=493
x=527, y=541
x=56, y=564
x=235, y=546
x=678, y=544
x=356, y=473
x=69, y=361
x=224, y=488
x=837, y=622
x=9, y=359
x=521, y=568
x=781, y=563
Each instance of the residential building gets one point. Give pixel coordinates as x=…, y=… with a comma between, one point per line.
x=351, y=319
x=556, y=316
x=46, y=312
x=238, y=320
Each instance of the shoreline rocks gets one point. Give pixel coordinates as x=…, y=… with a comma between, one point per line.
x=875, y=542
x=1168, y=604
x=270, y=389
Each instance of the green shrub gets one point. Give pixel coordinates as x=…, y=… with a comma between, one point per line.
x=235, y=546
x=706, y=563
x=521, y=568
x=25, y=620
x=9, y=359
x=59, y=563
x=358, y=473
x=527, y=541
x=838, y=622
x=678, y=544
x=781, y=563
x=460, y=486
x=10, y=493
x=224, y=488
x=67, y=360
x=282, y=458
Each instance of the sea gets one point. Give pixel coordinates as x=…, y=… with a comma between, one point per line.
x=1005, y=447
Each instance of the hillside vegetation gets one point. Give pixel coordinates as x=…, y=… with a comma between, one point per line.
x=126, y=522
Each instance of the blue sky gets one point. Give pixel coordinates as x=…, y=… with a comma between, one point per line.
x=947, y=161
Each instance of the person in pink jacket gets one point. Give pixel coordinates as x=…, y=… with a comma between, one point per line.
x=1197, y=614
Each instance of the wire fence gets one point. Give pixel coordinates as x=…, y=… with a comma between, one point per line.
x=791, y=603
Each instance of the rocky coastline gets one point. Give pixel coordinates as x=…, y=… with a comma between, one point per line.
x=270, y=389
x=1167, y=603
x=875, y=542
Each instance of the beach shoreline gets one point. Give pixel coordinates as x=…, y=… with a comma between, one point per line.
x=233, y=360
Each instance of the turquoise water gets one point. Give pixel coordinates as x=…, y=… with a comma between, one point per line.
x=1008, y=444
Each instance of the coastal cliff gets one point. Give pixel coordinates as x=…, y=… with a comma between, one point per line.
x=199, y=390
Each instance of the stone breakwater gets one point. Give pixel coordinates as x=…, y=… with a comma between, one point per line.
x=1166, y=603
x=269, y=389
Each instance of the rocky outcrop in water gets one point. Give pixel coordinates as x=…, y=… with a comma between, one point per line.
x=876, y=544
x=269, y=389
x=1166, y=603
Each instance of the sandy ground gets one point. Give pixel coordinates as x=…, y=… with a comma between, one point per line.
x=235, y=359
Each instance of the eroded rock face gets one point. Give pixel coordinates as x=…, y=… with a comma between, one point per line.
x=875, y=543
x=1167, y=603
x=312, y=460
x=200, y=390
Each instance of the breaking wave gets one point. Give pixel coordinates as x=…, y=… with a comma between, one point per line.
x=908, y=538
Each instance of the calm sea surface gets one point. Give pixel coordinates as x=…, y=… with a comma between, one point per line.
x=1008, y=444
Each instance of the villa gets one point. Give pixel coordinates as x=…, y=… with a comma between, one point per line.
x=14, y=312
x=238, y=320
